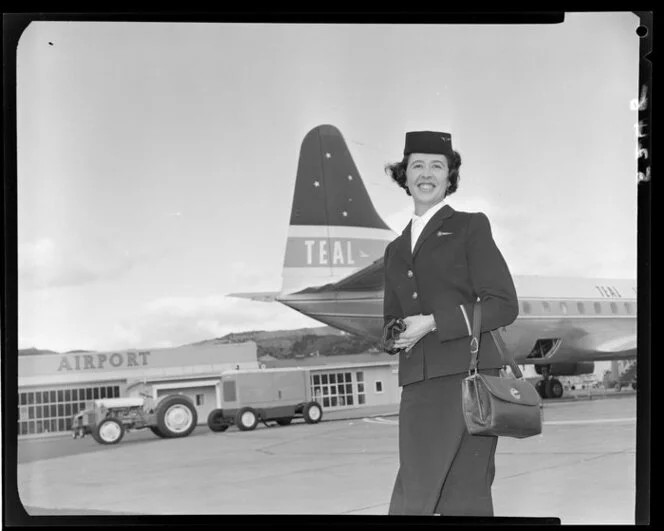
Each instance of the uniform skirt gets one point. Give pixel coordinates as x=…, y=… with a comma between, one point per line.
x=442, y=469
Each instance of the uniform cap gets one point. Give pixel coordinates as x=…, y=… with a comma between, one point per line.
x=428, y=142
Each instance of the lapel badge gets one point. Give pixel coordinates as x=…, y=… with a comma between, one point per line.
x=441, y=233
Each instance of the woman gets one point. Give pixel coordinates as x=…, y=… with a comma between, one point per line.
x=441, y=264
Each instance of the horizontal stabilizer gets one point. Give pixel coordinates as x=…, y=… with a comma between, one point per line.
x=262, y=296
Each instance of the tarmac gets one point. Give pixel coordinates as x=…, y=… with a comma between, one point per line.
x=581, y=469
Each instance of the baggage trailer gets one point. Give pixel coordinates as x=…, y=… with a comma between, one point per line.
x=247, y=397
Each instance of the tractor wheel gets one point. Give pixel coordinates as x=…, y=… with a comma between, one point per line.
x=108, y=431
x=216, y=422
x=246, y=419
x=156, y=431
x=313, y=413
x=176, y=416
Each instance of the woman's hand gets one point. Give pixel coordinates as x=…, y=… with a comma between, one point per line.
x=417, y=326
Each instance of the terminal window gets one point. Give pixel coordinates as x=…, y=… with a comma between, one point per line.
x=333, y=389
x=379, y=386
x=48, y=411
x=361, y=397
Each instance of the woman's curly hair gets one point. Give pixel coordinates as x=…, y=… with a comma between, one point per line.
x=398, y=172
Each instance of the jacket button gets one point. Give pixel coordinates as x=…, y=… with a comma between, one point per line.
x=410, y=274
x=415, y=295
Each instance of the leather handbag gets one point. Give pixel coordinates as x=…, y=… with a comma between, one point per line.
x=504, y=406
x=391, y=332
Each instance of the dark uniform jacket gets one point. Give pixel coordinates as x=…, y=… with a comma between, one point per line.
x=455, y=262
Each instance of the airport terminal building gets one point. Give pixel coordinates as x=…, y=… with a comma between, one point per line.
x=54, y=387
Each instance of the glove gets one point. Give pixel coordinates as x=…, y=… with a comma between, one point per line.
x=391, y=332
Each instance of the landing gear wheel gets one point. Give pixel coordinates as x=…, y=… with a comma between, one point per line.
x=216, y=422
x=540, y=386
x=246, y=419
x=176, y=416
x=285, y=421
x=313, y=413
x=108, y=431
x=554, y=389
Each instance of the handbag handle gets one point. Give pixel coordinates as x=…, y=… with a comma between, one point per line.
x=504, y=352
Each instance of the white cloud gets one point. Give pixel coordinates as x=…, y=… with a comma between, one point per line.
x=173, y=321
x=251, y=276
x=398, y=220
x=46, y=263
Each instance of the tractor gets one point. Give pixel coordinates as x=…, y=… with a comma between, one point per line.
x=108, y=419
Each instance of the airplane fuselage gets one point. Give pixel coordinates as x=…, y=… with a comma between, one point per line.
x=580, y=328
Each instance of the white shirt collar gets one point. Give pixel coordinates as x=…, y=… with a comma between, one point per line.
x=429, y=213
x=419, y=222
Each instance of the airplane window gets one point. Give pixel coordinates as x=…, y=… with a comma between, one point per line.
x=598, y=307
x=581, y=307
x=563, y=307
x=546, y=306
x=614, y=307
x=628, y=307
x=526, y=307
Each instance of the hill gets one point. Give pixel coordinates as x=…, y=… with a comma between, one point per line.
x=283, y=344
x=280, y=344
x=263, y=335
x=35, y=352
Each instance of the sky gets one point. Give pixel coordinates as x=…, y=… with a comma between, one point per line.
x=156, y=161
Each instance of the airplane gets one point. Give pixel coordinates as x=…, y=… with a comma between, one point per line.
x=333, y=272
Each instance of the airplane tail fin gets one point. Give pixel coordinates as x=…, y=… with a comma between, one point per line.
x=334, y=228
